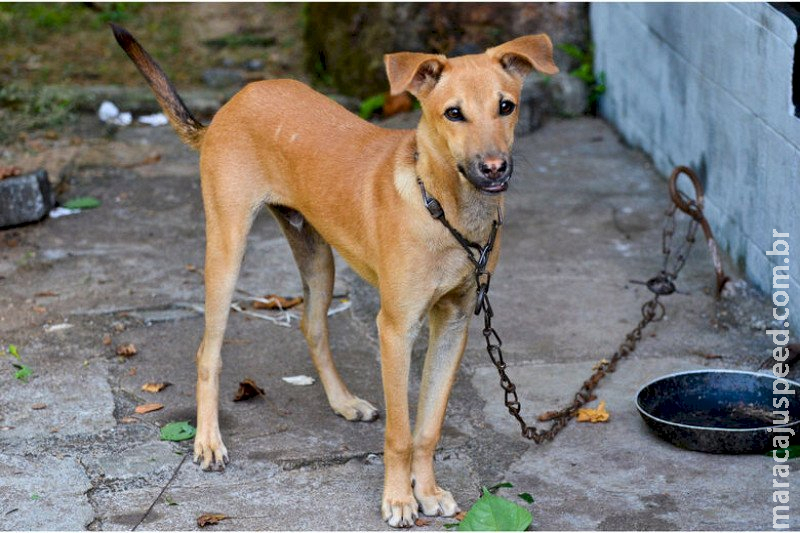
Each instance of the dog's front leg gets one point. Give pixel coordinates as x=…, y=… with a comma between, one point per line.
x=397, y=333
x=448, y=320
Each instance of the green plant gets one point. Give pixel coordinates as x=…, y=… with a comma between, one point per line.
x=23, y=108
x=585, y=71
x=371, y=105
x=494, y=513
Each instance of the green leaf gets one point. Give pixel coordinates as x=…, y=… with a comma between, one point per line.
x=12, y=349
x=178, y=431
x=23, y=372
x=493, y=513
x=526, y=496
x=451, y=525
x=504, y=485
x=371, y=105
x=572, y=51
x=169, y=501
x=794, y=451
x=82, y=202
x=35, y=497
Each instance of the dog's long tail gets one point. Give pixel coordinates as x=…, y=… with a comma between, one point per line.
x=189, y=129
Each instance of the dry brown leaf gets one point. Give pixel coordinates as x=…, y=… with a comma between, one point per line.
x=128, y=420
x=248, y=389
x=149, y=160
x=148, y=408
x=421, y=522
x=106, y=340
x=598, y=414
x=127, y=350
x=155, y=387
x=45, y=294
x=7, y=172
x=38, y=406
x=277, y=302
x=209, y=519
x=460, y=515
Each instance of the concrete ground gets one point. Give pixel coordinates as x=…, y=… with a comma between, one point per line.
x=583, y=219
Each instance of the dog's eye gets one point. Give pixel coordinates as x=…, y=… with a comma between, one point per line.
x=507, y=107
x=454, y=114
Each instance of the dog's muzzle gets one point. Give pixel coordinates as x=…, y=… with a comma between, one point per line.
x=489, y=174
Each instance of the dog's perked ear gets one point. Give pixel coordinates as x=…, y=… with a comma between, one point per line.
x=413, y=72
x=523, y=54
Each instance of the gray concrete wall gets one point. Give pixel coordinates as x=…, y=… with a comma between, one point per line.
x=709, y=85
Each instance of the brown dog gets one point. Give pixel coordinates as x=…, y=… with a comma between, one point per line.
x=332, y=179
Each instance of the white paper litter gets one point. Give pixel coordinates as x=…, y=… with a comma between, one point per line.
x=158, y=119
x=110, y=114
x=59, y=212
x=50, y=328
x=299, y=380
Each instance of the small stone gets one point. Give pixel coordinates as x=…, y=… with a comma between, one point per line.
x=570, y=95
x=24, y=199
x=219, y=78
x=254, y=64
x=38, y=406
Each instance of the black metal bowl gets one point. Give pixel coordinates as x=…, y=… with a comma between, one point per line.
x=717, y=411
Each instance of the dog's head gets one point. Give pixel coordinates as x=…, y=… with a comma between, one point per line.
x=470, y=103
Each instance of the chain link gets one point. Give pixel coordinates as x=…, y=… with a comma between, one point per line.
x=661, y=284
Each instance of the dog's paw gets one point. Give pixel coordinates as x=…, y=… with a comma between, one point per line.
x=401, y=511
x=355, y=409
x=210, y=452
x=439, y=503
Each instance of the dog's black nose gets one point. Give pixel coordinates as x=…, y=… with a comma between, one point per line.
x=493, y=167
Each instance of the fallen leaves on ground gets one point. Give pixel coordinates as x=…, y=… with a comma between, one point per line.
x=598, y=414
x=178, y=431
x=155, y=387
x=149, y=160
x=7, y=172
x=38, y=406
x=210, y=519
x=23, y=372
x=248, y=389
x=128, y=420
x=82, y=202
x=421, y=522
x=148, y=408
x=273, y=301
x=127, y=350
x=46, y=294
x=460, y=515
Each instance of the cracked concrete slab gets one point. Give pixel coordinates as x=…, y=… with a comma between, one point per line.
x=46, y=492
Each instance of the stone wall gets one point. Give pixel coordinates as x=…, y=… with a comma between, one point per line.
x=345, y=42
x=710, y=86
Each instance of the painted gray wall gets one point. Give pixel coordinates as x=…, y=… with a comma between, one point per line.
x=709, y=86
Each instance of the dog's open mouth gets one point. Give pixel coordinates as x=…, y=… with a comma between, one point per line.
x=495, y=188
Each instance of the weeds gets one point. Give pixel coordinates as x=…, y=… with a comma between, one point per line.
x=585, y=72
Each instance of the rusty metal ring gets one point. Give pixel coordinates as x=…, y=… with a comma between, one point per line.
x=693, y=209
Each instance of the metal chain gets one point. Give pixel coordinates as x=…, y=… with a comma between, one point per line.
x=662, y=284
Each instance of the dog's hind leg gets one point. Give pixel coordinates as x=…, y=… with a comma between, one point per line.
x=228, y=221
x=314, y=259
